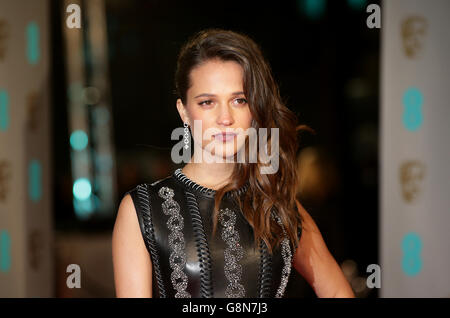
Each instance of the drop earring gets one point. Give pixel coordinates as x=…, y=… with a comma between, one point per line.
x=186, y=135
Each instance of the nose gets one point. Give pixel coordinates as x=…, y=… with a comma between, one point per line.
x=225, y=117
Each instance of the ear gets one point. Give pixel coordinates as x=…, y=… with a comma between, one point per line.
x=182, y=111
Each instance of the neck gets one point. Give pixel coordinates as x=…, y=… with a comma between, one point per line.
x=209, y=175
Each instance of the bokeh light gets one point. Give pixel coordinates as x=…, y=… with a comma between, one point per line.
x=82, y=189
x=78, y=140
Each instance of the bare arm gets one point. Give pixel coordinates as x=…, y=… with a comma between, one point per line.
x=131, y=260
x=315, y=263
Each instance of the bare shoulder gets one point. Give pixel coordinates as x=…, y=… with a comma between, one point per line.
x=126, y=214
x=131, y=260
x=311, y=240
x=308, y=223
x=315, y=263
x=126, y=227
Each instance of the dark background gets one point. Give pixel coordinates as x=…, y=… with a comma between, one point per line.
x=328, y=72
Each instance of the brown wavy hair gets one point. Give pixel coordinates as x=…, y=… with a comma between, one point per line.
x=266, y=191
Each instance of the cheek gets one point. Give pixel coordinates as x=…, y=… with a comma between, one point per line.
x=245, y=118
x=197, y=116
x=204, y=123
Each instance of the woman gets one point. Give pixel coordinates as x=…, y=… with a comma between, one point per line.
x=223, y=227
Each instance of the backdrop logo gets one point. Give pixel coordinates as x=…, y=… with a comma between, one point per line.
x=35, y=247
x=4, y=110
x=35, y=180
x=5, y=175
x=412, y=109
x=3, y=37
x=5, y=251
x=33, y=103
x=33, y=43
x=412, y=174
x=411, y=248
x=413, y=32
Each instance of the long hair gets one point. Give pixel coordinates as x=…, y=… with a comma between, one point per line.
x=266, y=192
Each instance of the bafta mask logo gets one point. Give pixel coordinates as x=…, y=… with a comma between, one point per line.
x=5, y=175
x=33, y=108
x=35, y=247
x=412, y=174
x=3, y=38
x=413, y=31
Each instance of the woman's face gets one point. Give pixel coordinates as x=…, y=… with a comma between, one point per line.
x=216, y=98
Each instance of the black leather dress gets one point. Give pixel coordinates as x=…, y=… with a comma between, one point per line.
x=175, y=218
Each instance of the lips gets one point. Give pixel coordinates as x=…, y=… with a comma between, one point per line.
x=225, y=136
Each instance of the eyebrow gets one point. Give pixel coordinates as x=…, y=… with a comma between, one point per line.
x=210, y=95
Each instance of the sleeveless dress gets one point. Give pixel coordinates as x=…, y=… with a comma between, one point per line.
x=175, y=219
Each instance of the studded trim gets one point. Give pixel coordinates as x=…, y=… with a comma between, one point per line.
x=286, y=254
x=204, y=256
x=181, y=177
x=144, y=204
x=233, y=254
x=177, y=259
x=265, y=271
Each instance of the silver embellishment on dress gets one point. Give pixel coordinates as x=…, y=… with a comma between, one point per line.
x=177, y=245
x=233, y=254
x=286, y=254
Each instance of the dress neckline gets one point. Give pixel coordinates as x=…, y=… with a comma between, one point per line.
x=192, y=185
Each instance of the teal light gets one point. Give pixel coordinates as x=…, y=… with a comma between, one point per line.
x=35, y=180
x=82, y=189
x=83, y=208
x=4, y=110
x=33, y=45
x=78, y=140
x=412, y=262
x=357, y=4
x=412, y=116
x=5, y=251
x=313, y=9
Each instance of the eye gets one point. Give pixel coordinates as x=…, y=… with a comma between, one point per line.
x=206, y=102
x=241, y=101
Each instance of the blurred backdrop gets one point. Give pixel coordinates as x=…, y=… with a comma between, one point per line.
x=86, y=113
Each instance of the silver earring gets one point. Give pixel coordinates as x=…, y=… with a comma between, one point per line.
x=186, y=136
